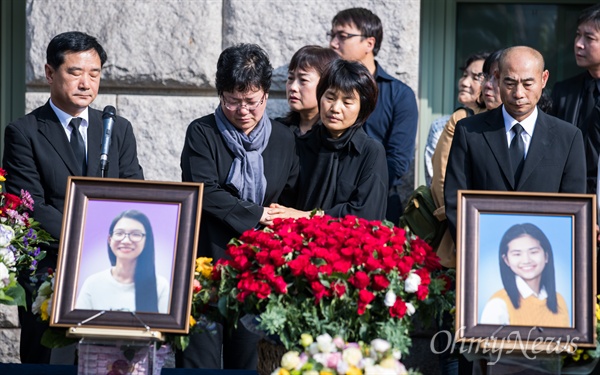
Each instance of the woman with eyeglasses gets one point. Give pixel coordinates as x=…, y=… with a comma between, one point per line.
x=342, y=170
x=131, y=283
x=304, y=72
x=469, y=95
x=245, y=161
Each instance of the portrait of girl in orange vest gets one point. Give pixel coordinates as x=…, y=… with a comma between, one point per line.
x=529, y=297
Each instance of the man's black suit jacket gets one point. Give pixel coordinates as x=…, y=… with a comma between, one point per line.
x=567, y=98
x=479, y=159
x=38, y=158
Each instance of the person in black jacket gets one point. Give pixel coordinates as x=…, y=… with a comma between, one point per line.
x=576, y=99
x=342, y=170
x=245, y=161
x=39, y=156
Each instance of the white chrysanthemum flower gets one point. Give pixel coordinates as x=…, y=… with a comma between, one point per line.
x=412, y=282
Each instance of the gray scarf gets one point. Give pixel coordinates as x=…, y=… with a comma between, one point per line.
x=246, y=175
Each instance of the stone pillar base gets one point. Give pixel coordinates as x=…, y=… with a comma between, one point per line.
x=10, y=334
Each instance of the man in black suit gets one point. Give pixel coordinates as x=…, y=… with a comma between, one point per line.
x=576, y=99
x=40, y=150
x=551, y=156
x=515, y=147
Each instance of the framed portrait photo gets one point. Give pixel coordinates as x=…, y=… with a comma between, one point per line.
x=526, y=271
x=126, y=255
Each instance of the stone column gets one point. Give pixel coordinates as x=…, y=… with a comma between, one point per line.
x=10, y=334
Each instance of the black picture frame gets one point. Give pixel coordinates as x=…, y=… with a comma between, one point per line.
x=81, y=192
x=472, y=237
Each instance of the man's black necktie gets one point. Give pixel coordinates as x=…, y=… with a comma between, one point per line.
x=517, y=151
x=77, y=144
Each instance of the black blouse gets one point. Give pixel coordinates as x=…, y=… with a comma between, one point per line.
x=359, y=186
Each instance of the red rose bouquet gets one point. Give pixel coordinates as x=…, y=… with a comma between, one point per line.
x=347, y=277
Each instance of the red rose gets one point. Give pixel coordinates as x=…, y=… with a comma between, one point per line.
x=342, y=266
x=373, y=264
x=360, y=280
x=297, y=265
x=380, y=282
x=11, y=201
x=319, y=291
x=339, y=289
x=364, y=298
x=422, y=292
x=398, y=310
x=311, y=272
x=280, y=285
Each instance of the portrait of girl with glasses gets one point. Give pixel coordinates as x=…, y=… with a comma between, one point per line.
x=131, y=283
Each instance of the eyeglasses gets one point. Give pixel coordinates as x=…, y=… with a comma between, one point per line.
x=133, y=236
x=342, y=36
x=251, y=106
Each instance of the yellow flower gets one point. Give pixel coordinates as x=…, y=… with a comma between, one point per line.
x=283, y=371
x=44, y=310
x=192, y=321
x=353, y=370
x=577, y=354
x=2, y=179
x=204, y=266
x=306, y=340
x=326, y=372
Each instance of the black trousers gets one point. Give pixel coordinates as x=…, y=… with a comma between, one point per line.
x=227, y=349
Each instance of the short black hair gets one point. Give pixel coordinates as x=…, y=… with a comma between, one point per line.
x=309, y=57
x=590, y=14
x=243, y=67
x=493, y=57
x=312, y=57
x=473, y=57
x=348, y=76
x=365, y=20
x=72, y=41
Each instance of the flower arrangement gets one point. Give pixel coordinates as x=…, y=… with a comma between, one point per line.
x=20, y=240
x=204, y=300
x=585, y=358
x=345, y=276
x=333, y=356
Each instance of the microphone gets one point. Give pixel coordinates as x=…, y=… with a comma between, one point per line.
x=108, y=120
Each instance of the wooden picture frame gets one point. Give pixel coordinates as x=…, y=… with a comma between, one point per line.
x=489, y=267
x=92, y=207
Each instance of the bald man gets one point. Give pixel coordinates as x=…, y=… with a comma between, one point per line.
x=485, y=154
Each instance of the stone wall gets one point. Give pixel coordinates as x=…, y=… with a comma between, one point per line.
x=162, y=55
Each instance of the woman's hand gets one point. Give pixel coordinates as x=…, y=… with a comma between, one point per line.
x=287, y=212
